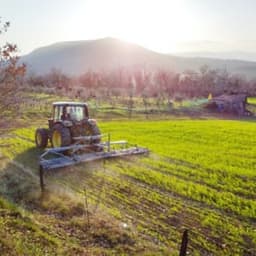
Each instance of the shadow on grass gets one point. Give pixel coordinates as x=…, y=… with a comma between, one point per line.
x=17, y=185
x=20, y=180
x=29, y=158
x=21, y=175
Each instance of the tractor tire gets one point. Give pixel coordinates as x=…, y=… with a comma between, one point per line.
x=93, y=131
x=41, y=138
x=60, y=136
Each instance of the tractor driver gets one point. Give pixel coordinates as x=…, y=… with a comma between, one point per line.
x=65, y=115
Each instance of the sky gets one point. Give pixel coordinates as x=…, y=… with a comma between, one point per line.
x=161, y=25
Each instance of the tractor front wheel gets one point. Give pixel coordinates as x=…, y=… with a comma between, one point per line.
x=60, y=136
x=41, y=138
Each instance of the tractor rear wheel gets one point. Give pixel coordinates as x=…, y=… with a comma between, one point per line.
x=93, y=130
x=60, y=136
x=41, y=138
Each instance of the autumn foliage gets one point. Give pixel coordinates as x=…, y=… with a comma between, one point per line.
x=11, y=75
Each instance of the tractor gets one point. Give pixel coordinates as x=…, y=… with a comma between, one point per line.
x=70, y=123
x=75, y=138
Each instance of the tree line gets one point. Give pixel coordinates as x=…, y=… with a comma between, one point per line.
x=162, y=84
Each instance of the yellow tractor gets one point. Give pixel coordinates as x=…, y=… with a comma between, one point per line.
x=70, y=123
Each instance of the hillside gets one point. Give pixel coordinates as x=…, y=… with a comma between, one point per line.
x=76, y=57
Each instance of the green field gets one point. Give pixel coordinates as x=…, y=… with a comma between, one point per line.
x=252, y=100
x=199, y=175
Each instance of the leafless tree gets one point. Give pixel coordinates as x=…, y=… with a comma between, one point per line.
x=11, y=76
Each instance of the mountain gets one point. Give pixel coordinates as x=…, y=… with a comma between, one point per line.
x=79, y=56
x=235, y=50
x=231, y=55
x=76, y=57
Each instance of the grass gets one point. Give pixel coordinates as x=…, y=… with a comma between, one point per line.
x=210, y=165
x=200, y=175
x=54, y=223
x=252, y=100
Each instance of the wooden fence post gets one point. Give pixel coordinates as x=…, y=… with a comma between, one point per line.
x=41, y=175
x=184, y=243
x=86, y=208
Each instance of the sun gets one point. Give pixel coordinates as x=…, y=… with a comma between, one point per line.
x=153, y=24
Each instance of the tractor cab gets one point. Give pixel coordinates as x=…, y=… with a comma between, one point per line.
x=75, y=111
x=69, y=111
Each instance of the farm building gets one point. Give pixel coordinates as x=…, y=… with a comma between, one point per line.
x=234, y=104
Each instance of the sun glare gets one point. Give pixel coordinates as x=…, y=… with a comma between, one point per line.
x=154, y=24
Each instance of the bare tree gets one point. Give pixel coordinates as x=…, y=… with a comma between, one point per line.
x=11, y=76
x=132, y=89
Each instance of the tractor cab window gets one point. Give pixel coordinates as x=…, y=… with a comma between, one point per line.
x=57, y=113
x=75, y=113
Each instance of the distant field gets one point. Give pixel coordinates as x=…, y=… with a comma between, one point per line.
x=252, y=100
x=200, y=175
